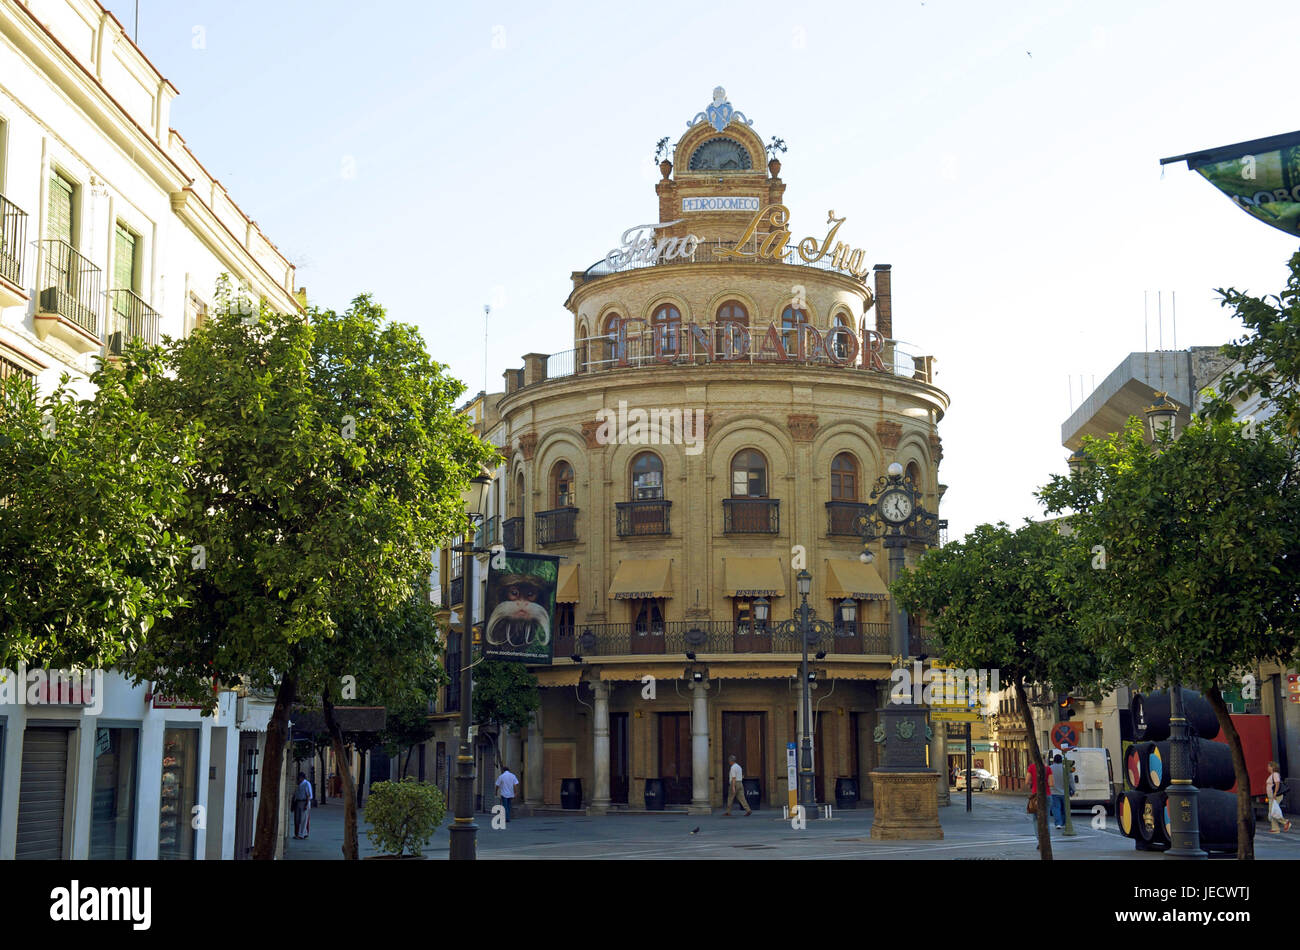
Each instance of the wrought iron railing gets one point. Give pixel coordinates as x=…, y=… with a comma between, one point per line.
x=556, y=525
x=512, y=534
x=70, y=286
x=13, y=235
x=711, y=636
x=842, y=516
x=456, y=590
x=640, y=518
x=751, y=515
x=129, y=318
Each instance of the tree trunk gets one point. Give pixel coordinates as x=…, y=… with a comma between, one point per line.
x=345, y=772
x=1245, y=810
x=324, y=778
x=1044, y=835
x=277, y=733
x=406, y=764
x=361, y=772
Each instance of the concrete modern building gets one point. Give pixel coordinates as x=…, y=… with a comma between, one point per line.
x=110, y=228
x=727, y=390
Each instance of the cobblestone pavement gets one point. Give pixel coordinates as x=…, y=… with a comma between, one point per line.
x=997, y=828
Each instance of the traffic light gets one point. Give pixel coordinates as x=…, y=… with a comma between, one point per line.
x=1064, y=707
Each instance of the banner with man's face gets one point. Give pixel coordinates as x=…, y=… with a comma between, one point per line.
x=520, y=608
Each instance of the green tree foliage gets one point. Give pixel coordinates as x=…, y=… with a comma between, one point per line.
x=505, y=695
x=990, y=601
x=90, y=491
x=330, y=464
x=1269, y=353
x=404, y=816
x=1202, y=559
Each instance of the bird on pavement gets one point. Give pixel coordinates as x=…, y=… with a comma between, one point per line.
x=696, y=831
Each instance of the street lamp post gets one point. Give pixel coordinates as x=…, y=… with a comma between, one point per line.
x=463, y=833
x=808, y=629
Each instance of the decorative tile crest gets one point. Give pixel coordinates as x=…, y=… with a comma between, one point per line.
x=719, y=112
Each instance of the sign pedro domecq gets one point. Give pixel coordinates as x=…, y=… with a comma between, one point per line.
x=640, y=246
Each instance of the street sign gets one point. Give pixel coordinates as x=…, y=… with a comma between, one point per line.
x=1293, y=687
x=791, y=776
x=953, y=714
x=1066, y=733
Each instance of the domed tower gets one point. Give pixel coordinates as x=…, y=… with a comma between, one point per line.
x=726, y=417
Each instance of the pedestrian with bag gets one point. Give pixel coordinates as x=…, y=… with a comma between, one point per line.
x=1274, y=789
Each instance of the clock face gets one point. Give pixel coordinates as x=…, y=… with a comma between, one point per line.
x=720, y=154
x=896, y=506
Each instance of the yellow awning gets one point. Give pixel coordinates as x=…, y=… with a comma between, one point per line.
x=616, y=673
x=754, y=577
x=746, y=671
x=566, y=589
x=854, y=671
x=559, y=676
x=853, y=579
x=635, y=580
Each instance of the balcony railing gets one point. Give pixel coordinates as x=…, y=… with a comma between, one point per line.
x=456, y=590
x=556, y=525
x=641, y=518
x=130, y=318
x=711, y=636
x=70, y=286
x=512, y=534
x=842, y=516
x=751, y=515
x=13, y=235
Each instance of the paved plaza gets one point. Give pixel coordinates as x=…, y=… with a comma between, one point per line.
x=997, y=828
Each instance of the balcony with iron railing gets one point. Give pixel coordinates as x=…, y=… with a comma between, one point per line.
x=130, y=318
x=712, y=637
x=70, y=287
x=842, y=516
x=512, y=534
x=637, y=519
x=13, y=237
x=751, y=516
x=456, y=590
x=555, y=526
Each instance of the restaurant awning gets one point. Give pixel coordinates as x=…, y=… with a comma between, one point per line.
x=635, y=580
x=754, y=577
x=566, y=588
x=853, y=579
x=559, y=676
x=617, y=673
x=741, y=671
x=854, y=671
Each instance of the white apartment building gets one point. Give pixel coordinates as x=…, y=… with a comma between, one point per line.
x=111, y=228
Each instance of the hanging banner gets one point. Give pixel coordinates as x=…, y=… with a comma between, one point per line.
x=1261, y=176
x=520, y=608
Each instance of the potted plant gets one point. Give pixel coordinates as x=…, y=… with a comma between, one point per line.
x=403, y=816
x=774, y=163
x=661, y=156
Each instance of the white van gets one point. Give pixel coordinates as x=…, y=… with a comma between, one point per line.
x=1094, y=779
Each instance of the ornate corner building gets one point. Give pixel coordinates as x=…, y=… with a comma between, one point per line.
x=734, y=389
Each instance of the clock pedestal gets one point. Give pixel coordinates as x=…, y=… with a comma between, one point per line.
x=904, y=791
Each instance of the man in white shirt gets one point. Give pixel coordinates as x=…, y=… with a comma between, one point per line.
x=506, y=784
x=736, y=778
x=302, y=799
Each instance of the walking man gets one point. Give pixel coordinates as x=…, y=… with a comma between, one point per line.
x=506, y=784
x=1058, y=790
x=736, y=778
x=302, y=798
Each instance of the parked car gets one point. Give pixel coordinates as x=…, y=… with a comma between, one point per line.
x=980, y=779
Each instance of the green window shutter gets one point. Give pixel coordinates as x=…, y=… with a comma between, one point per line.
x=58, y=223
x=124, y=252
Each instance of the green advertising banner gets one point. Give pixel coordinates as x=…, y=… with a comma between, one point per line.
x=520, y=608
x=1262, y=177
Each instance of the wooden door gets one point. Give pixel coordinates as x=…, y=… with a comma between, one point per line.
x=744, y=735
x=675, y=757
x=245, y=796
x=559, y=761
x=619, y=771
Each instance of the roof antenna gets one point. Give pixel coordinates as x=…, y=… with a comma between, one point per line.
x=1173, y=304
x=1160, y=334
x=487, y=310
x=137, y=23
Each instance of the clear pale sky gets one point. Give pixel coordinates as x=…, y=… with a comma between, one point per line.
x=1002, y=157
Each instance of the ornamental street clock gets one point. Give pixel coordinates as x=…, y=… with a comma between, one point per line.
x=894, y=511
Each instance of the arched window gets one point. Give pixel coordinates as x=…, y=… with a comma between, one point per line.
x=562, y=487
x=840, y=340
x=728, y=342
x=666, y=325
x=647, y=477
x=609, y=330
x=914, y=473
x=749, y=475
x=519, y=495
x=580, y=357
x=790, y=321
x=844, y=478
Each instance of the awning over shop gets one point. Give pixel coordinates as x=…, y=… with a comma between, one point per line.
x=737, y=671
x=559, y=676
x=854, y=671
x=635, y=580
x=618, y=673
x=754, y=577
x=566, y=588
x=853, y=579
